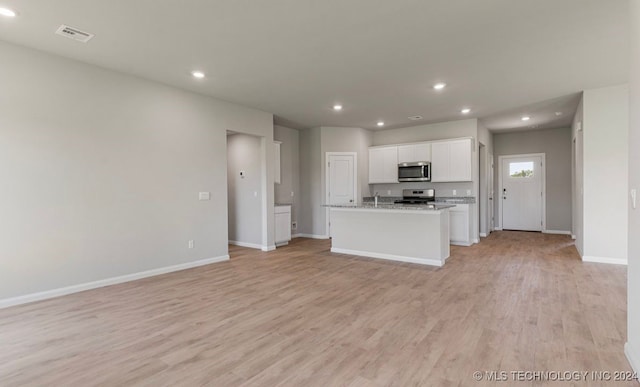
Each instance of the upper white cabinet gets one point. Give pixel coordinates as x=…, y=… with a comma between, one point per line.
x=383, y=165
x=412, y=153
x=451, y=160
x=277, y=166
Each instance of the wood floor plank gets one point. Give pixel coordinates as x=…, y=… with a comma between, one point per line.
x=301, y=315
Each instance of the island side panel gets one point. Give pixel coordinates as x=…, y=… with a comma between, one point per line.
x=408, y=236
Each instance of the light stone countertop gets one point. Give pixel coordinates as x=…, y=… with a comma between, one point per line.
x=392, y=206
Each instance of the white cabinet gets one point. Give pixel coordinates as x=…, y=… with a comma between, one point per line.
x=451, y=160
x=383, y=165
x=283, y=224
x=277, y=174
x=412, y=153
x=459, y=225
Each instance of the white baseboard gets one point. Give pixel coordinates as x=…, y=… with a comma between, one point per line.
x=312, y=236
x=7, y=302
x=573, y=237
x=421, y=261
x=483, y=235
x=268, y=248
x=246, y=244
x=633, y=357
x=612, y=261
x=558, y=232
x=497, y=229
x=476, y=241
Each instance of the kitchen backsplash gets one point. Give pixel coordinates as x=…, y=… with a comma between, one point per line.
x=442, y=189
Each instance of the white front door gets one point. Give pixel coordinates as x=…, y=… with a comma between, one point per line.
x=522, y=193
x=341, y=180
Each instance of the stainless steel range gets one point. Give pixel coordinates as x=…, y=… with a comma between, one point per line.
x=417, y=196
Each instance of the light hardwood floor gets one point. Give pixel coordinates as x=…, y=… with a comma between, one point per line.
x=302, y=316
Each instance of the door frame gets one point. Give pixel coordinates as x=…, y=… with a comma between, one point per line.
x=544, y=185
x=327, y=178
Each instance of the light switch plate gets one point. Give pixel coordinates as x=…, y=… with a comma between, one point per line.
x=204, y=196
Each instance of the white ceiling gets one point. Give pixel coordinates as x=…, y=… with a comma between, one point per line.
x=379, y=58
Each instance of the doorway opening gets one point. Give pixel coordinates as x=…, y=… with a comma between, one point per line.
x=482, y=191
x=246, y=190
x=522, y=192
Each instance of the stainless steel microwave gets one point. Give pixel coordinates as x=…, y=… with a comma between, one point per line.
x=419, y=171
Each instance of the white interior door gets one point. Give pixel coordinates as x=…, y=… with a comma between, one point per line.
x=341, y=181
x=522, y=193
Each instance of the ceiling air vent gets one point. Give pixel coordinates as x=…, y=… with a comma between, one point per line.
x=415, y=118
x=74, y=33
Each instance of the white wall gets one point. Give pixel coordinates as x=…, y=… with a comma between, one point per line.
x=606, y=165
x=633, y=274
x=348, y=140
x=485, y=137
x=101, y=172
x=289, y=169
x=312, y=218
x=314, y=143
x=578, y=177
x=556, y=145
x=245, y=203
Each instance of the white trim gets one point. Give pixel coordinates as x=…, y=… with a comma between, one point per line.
x=327, y=187
x=559, y=232
x=246, y=244
x=312, y=236
x=612, y=261
x=268, y=248
x=497, y=229
x=573, y=236
x=544, y=184
x=420, y=261
x=7, y=302
x=632, y=357
x=466, y=244
x=280, y=244
x=476, y=241
x=483, y=235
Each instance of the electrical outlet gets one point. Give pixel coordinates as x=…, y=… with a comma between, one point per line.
x=204, y=196
x=389, y=192
x=455, y=192
x=292, y=193
x=255, y=194
x=191, y=244
x=468, y=192
x=294, y=225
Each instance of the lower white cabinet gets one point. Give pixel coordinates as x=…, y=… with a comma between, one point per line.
x=459, y=225
x=283, y=224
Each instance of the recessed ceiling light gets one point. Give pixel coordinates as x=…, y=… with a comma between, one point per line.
x=465, y=111
x=197, y=74
x=7, y=12
x=526, y=118
x=337, y=107
x=439, y=86
x=558, y=113
x=380, y=123
x=415, y=118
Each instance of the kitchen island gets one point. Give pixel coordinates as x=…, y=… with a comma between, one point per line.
x=407, y=233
